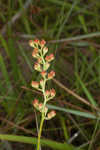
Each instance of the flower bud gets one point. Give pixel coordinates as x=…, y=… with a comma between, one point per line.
x=35, y=103
x=39, y=60
x=40, y=106
x=49, y=58
x=51, y=114
x=42, y=43
x=37, y=67
x=52, y=92
x=47, y=65
x=42, y=83
x=33, y=43
x=47, y=93
x=51, y=75
x=35, y=84
x=36, y=41
x=35, y=53
x=45, y=50
x=43, y=74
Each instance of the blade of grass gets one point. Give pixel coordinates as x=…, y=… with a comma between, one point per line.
x=31, y=140
x=82, y=20
x=79, y=37
x=62, y=120
x=84, y=71
x=89, y=69
x=88, y=94
x=13, y=56
x=4, y=44
x=4, y=71
x=74, y=94
x=15, y=17
x=74, y=112
x=25, y=18
x=25, y=57
x=93, y=135
x=66, y=19
x=69, y=5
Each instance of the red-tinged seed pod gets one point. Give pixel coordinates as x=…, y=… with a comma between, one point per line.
x=42, y=83
x=42, y=43
x=52, y=92
x=45, y=50
x=39, y=60
x=40, y=106
x=47, y=65
x=37, y=67
x=51, y=114
x=36, y=49
x=35, y=53
x=35, y=103
x=47, y=92
x=35, y=84
x=31, y=43
x=49, y=58
x=36, y=41
x=43, y=74
x=51, y=74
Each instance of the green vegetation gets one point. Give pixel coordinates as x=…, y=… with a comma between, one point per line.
x=72, y=31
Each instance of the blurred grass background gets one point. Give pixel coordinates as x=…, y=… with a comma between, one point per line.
x=72, y=31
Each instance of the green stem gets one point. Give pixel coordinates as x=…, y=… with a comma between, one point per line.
x=43, y=111
x=42, y=119
x=40, y=131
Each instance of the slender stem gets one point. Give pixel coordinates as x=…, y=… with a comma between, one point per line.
x=44, y=95
x=40, y=131
x=42, y=118
x=43, y=109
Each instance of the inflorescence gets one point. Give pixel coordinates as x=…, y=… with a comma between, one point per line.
x=42, y=65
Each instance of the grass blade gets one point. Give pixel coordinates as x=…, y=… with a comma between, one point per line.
x=4, y=71
x=89, y=96
x=31, y=140
x=79, y=37
x=4, y=44
x=26, y=58
x=74, y=112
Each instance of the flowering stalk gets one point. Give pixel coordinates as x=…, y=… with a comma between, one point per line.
x=43, y=63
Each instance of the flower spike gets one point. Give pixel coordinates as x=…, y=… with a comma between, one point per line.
x=42, y=65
